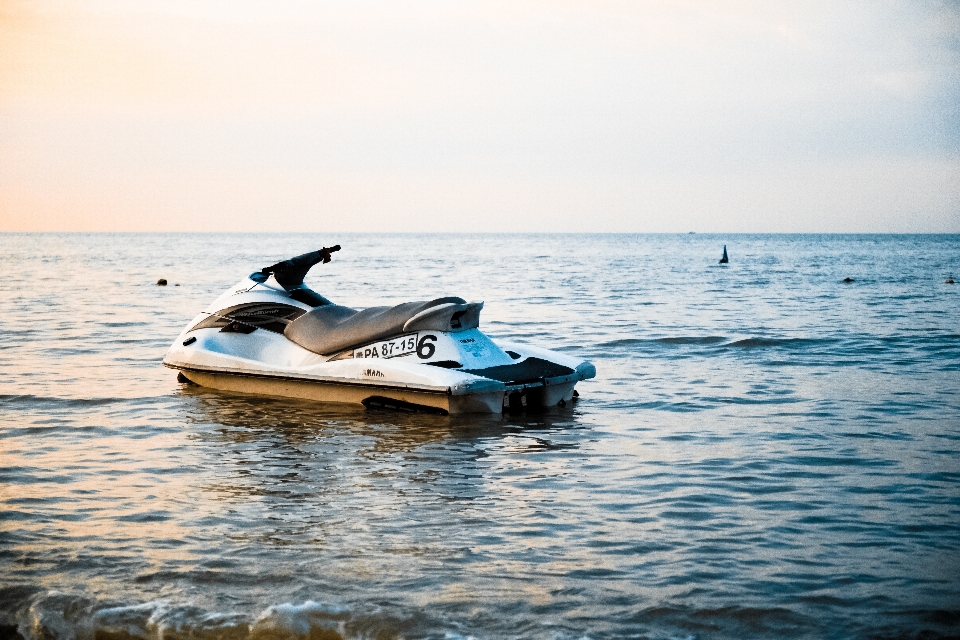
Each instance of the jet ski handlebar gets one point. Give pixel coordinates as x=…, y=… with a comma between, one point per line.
x=290, y=273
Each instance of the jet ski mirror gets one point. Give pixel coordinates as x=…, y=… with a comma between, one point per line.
x=290, y=273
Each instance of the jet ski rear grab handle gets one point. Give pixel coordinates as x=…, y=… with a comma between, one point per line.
x=293, y=362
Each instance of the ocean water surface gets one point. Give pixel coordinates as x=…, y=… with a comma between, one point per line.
x=767, y=451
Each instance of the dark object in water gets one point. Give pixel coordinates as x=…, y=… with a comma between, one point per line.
x=724, y=259
x=948, y=281
x=162, y=282
x=849, y=279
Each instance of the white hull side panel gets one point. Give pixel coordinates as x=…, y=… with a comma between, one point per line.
x=345, y=392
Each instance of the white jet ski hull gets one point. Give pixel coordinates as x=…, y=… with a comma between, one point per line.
x=371, y=396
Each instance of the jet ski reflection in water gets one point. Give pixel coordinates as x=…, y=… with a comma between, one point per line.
x=270, y=334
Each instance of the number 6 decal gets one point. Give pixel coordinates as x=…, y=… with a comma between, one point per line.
x=426, y=349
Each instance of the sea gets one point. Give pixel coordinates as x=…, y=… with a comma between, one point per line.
x=770, y=449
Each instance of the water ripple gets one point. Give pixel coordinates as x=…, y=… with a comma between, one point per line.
x=766, y=451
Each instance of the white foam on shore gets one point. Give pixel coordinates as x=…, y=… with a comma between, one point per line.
x=287, y=619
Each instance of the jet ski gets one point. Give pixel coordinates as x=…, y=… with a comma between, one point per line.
x=272, y=335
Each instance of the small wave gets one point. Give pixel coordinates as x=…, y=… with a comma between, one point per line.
x=744, y=343
x=625, y=342
x=736, y=621
x=752, y=343
x=748, y=343
x=677, y=340
x=691, y=340
x=27, y=399
x=56, y=615
x=310, y=619
x=159, y=618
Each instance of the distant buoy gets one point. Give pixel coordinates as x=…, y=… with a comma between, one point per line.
x=849, y=280
x=162, y=282
x=724, y=259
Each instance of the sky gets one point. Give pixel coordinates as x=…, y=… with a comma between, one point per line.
x=465, y=116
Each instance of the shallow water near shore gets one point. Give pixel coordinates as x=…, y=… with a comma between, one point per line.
x=766, y=452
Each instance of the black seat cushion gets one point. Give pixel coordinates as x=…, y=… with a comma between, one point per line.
x=331, y=328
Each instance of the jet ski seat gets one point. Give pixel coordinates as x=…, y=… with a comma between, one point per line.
x=331, y=328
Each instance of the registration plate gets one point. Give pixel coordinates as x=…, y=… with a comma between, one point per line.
x=388, y=348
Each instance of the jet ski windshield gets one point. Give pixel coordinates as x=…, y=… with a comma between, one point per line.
x=289, y=274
